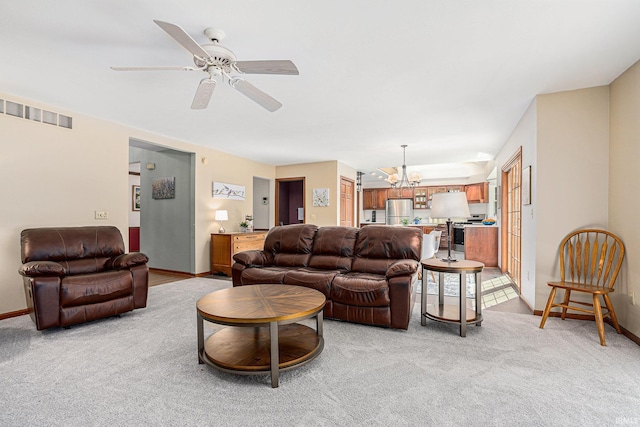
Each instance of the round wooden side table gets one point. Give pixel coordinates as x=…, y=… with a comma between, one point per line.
x=450, y=313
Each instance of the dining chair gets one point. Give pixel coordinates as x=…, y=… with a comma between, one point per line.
x=430, y=246
x=590, y=261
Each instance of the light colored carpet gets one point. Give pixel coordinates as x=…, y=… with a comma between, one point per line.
x=142, y=369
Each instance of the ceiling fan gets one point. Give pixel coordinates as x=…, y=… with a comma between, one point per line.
x=220, y=62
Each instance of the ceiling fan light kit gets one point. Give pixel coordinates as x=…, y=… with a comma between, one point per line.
x=218, y=61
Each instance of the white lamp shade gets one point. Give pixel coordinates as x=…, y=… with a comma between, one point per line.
x=450, y=205
x=222, y=215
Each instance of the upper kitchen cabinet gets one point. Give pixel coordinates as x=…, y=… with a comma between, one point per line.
x=420, y=198
x=443, y=189
x=400, y=193
x=374, y=198
x=477, y=193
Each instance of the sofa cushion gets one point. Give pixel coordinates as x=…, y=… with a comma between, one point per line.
x=290, y=245
x=333, y=248
x=94, y=288
x=378, y=247
x=360, y=289
x=85, y=265
x=320, y=280
x=68, y=243
x=261, y=275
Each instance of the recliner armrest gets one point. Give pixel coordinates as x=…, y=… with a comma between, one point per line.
x=127, y=260
x=41, y=269
x=253, y=258
x=402, y=267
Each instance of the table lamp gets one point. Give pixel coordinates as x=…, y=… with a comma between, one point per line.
x=449, y=205
x=221, y=215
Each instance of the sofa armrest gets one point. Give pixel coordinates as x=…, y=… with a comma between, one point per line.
x=253, y=258
x=41, y=269
x=125, y=261
x=402, y=267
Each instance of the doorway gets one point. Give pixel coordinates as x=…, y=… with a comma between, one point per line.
x=346, y=201
x=290, y=201
x=261, y=211
x=511, y=244
x=167, y=221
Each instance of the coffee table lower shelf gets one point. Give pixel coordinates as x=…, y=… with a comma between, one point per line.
x=247, y=350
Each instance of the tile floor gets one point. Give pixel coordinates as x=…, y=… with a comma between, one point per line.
x=498, y=292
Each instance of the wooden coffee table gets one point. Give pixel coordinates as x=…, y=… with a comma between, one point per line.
x=263, y=336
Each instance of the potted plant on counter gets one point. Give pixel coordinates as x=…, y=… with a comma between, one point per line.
x=244, y=226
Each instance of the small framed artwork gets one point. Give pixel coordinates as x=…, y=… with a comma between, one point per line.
x=526, y=185
x=223, y=190
x=135, y=197
x=163, y=188
x=320, y=197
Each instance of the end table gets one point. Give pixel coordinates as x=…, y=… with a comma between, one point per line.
x=449, y=313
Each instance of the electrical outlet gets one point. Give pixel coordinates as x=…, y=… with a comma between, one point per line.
x=632, y=298
x=102, y=215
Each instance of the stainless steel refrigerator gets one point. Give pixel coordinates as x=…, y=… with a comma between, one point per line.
x=398, y=209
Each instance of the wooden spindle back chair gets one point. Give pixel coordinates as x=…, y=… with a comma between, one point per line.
x=590, y=261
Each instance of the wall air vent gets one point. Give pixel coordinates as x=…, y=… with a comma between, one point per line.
x=28, y=112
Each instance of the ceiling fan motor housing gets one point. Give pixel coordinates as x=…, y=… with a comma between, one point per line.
x=220, y=57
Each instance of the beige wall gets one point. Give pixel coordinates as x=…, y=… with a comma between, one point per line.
x=320, y=175
x=624, y=181
x=565, y=139
x=572, y=173
x=58, y=177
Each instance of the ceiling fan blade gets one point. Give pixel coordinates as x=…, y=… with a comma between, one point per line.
x=203, y=94
x=267, y=67
x=255, y=94
x=182, y=37
x=152, y=68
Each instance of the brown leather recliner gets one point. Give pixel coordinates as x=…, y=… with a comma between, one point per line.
x=77, y=274
x=368, y=275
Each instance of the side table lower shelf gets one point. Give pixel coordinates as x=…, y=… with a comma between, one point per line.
x=450, y=313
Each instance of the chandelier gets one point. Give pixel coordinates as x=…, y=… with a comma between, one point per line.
x=410, y=181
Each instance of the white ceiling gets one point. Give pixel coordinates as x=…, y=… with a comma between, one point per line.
x=449, y=78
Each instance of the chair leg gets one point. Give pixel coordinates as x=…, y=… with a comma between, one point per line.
x=565, y=302
x=612, y=313
x=597, y=310
x=547, y=309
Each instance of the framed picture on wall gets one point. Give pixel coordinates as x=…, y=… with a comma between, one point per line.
x=135, y=197
x=526, y=185
x=163, y=188
x=320, y=197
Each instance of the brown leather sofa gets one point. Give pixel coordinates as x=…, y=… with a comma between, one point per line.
x=368, y=275
x=77, y=274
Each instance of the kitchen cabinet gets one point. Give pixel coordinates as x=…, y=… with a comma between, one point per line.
x=477, y=193
x=374, y=198
x=481, y=244
x=420, y=200
x=225, y=245
x=400, y=193
x=443, y=189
